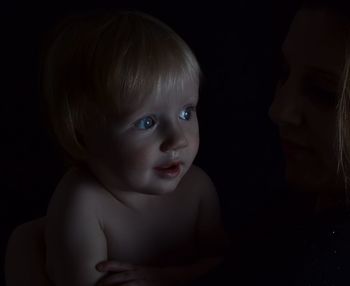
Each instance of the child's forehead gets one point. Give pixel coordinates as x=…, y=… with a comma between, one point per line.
x=160, y=98
x=183, y=91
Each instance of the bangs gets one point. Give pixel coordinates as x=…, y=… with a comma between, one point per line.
x=146, y=58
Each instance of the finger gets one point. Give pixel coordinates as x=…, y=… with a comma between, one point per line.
x=114, y=266
x=117, y=279
x=130, y=283
x=133, y=283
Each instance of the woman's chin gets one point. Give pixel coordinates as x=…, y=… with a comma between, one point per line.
x=303, y=182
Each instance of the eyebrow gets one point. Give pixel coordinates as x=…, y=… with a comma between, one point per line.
x=324, y=73
x=329, y=76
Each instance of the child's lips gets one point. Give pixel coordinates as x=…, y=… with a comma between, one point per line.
x=168, y=165
x=169, y=170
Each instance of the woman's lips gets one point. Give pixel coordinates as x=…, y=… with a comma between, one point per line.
x=171, y=170
x=290, y=147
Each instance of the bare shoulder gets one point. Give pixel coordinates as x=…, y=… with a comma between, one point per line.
x=76, y=188
x=199, y=180
x=76, y=198
x=74, y=229
x=212, y=239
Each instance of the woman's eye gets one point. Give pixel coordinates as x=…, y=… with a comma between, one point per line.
x=321, y=95
x=186, y=114
x=144, y=123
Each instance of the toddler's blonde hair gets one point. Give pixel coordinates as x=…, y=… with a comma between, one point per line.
x=104, y=65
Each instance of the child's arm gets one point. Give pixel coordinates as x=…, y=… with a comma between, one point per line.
x=211, y=239
x=127, y=274
x=75, y=240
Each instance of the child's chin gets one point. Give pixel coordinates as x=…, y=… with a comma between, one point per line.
x=162, y=190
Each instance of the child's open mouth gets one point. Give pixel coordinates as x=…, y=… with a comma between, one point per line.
x=170, y=170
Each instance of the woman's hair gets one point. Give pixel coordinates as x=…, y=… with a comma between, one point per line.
x=103, y=65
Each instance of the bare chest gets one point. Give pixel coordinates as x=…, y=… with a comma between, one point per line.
x=158, y=233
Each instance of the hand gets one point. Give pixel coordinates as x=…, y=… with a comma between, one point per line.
x=126, y=274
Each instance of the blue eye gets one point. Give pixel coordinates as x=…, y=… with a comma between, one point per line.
x=186, y=114
x=144, y=123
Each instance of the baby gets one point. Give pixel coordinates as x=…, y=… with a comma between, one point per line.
x=121, y=90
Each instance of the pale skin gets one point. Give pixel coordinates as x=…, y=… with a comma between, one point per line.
x=153, y=229
x=162, y=231
x=27, y=243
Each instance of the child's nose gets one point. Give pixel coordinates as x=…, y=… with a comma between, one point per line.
x=174, y=139
x=286, y=107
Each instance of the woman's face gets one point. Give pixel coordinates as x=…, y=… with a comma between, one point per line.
x=304, y=107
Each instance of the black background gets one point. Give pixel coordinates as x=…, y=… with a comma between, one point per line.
x=237, y=45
